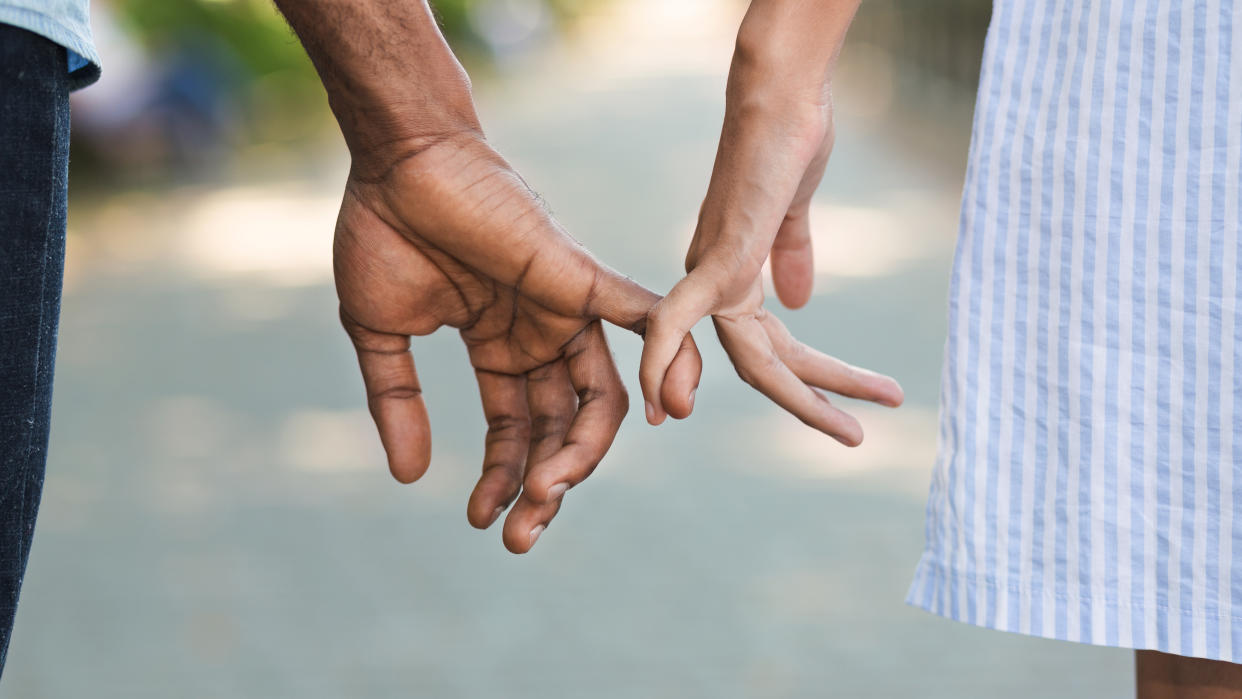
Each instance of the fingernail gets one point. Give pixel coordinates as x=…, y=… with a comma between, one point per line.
x=696, y=390
x=534, y=534
x=650, y=412
x=495, y=515
x=557, y=490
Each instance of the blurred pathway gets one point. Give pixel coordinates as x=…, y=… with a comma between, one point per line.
x=218, y=521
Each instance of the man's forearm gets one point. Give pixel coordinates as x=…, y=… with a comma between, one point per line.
x=391, y=79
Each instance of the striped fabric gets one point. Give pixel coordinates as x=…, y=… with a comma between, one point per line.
x=1089, y=480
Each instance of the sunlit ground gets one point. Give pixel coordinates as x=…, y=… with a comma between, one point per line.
x=218, y=520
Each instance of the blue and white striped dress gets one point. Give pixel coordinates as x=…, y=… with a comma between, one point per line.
x=1089, y=481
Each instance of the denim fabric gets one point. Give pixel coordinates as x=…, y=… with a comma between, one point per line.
x=34, y=162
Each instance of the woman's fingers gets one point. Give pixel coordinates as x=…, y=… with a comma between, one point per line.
x=681, y=381
x=829, y=373
x=394, y=397
x=668, y=325
x=793, y=263
x=768, y=358
x=759, y=365
x=590, y=375
x=505, y=448
x=627, y=304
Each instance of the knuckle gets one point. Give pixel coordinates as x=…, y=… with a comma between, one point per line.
x=753, y=375
x=398, y=392
x=772, y=362
x=746, y=375
x=506, y=426
x=795, y=353
x=547, y=426
x=590, y=393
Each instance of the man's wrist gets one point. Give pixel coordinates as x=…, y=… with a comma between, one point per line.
x=392, y=81
x=384, y=130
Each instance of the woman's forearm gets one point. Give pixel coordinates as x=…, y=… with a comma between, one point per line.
x=787, y=49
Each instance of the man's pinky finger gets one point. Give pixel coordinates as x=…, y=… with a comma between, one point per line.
x=602, y=405
x=526, y=521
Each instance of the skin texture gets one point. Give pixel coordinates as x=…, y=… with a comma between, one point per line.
x=1164, y=676
x=775, y=143
x=436, y=229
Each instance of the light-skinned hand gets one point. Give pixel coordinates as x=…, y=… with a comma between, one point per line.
x=774, y=145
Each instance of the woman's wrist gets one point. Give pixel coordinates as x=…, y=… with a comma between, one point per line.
x=791, y=46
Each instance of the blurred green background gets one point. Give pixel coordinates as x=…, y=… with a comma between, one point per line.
x=218, y=520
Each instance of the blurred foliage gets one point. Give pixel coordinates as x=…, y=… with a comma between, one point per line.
x=269, y=93
x=259, y=37
x=277, y=83
x=252, y=29
x=941, y=37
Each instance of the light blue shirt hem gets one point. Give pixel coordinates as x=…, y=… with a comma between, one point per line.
x=83, y=58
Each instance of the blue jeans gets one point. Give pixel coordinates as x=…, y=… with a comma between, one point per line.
x=34, y=163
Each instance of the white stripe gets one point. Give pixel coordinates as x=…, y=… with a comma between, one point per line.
x=958, y=464
x=1081, y=233
x=1099, y=369
x=1078, y=235
x=954, y=464
x=1125, y=315
x=1056, y=219
x=1151, y=342
x=1206, y=169
x=1177, y=217
x=1036, y=242
x=1000, y=128
x=1229, y=312
x=1014, y=471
